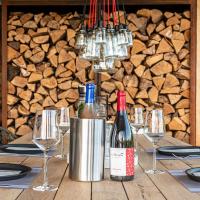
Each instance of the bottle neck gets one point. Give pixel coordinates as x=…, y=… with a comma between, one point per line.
x=121, y=104
x=89, y=99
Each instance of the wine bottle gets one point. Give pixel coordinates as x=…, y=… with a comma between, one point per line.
x=122, y=144
x=88, y=112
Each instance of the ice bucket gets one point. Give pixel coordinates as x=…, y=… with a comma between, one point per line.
x=87, y=141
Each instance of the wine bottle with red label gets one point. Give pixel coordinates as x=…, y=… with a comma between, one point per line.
x=122, y=144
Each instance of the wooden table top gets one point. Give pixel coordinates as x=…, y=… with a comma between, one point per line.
x=143, y=187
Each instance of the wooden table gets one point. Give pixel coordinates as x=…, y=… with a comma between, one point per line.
x=144, y=187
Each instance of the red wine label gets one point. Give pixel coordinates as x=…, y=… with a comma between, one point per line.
x=122, y=161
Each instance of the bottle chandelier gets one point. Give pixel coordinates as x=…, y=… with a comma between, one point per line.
x=103, y=38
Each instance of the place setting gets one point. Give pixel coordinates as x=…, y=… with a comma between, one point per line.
x=45, y=137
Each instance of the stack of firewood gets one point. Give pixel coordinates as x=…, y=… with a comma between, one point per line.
x=44, y=68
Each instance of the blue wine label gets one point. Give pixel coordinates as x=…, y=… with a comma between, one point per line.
x=122, y=161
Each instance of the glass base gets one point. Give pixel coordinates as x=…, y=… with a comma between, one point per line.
x=154, y=171
x=61, y=157
x=43, y=188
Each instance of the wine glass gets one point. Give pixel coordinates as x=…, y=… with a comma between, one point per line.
x=154, y=130
x=46, y=136
x=63, y=122
x=137, y=122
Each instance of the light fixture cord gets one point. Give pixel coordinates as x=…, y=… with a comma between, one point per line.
x=125, y=17
x=118, y=12
x=84, y=11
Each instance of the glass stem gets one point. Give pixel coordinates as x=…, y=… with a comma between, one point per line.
x=62, y=146
x=45, y=168
x=154, y=157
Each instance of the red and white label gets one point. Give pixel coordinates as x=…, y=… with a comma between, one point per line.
x=122, y=161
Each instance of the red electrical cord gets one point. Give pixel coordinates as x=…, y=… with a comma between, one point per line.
x=108, y=10
x=89, y=20
x=114, y=12
x=104, y=14
x=95, y=12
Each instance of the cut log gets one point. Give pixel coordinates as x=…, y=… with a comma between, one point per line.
x=69, y=94
x=82, y=64
x=158, y=82
x=185, y=24
x=172, y=90
x=151, y=60
x=138, y=46
x=31, y=87
x=163, y=67
x=20, y=121
x=119, y=85
x=174, y=98
x=184, y=103
x=19, y=81
x=64, y=56
x=23, y=130
x=112, y=98
x=34, y=77
x=41, y=39
x=105, y=76
x=81, y=75
x=156, y=15
x=168, y=109
x=13, y=113
x=38, y=57
x=139, y=70
x=170, y=81
x=26, y=95
x=164, y=47
x=177, y=124
x=136, y=60
x=186, y=118
x=11, y=88
x=57, y=35
x=70, y=34
x=71, y=66
x=128, y=67
x=26, y=17
x=25, y=104
x=108, y=86
x=129, y=99
x=11, y=100
x=23, y=111
x=47, y=102
x=119, y=74
x=61, y=103
x=48, y=72
x=53, y=94
x=12, y=54
x=167, y=32
x=153, y=94
x=160, y=26
x=65, y=85
x=49, y=82
x=150, y=51
x=172, y=21
x=66, y=74
x=132, y=91
x=37, y=98
x=151, y=28
x=142, y=95
x=130, y=81
x=35, y=107
x=30, y=24
x=186, y=93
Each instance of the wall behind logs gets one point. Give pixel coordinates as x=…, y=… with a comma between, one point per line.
x=44, y=70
